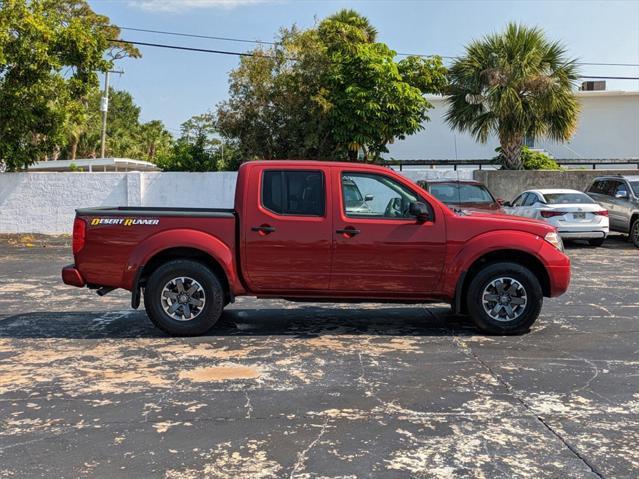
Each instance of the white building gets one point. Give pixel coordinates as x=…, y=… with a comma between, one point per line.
x=608, y=128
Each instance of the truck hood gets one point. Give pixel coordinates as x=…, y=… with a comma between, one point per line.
x=496, y=221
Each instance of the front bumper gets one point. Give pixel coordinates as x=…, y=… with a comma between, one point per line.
x=71, y=276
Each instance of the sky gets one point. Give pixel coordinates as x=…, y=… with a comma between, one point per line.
x=172, y=85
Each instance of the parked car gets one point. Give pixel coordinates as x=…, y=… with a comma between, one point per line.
x=466, y=195
x=620, y=196
x=295, y=234
x=573, y=213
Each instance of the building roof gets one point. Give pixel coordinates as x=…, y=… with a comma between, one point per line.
x=94, y=165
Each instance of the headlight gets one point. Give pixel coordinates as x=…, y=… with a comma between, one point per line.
x=554, y=239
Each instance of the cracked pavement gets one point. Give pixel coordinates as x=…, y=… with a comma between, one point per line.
x=89, y=388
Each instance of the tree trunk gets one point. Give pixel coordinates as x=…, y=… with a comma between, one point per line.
x=74, y=149
x=511, y=151
x=352, y=154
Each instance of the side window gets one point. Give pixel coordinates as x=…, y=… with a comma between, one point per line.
x=520, y=199
x=293, y=192
x=597, y=187
x=610, y=186
x=376, y=196
x=531, y=199
x=621, y=188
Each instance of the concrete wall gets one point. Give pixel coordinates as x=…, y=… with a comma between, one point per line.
x=608, y=127
x=46, y=202
x=508, y=184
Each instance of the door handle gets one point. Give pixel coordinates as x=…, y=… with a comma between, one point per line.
x=265, y=229
x=349, y=231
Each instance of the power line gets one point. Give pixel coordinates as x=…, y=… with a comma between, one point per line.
x=259, y=42
x=248, y=54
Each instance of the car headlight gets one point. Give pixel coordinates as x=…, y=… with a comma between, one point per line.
x=554, y=239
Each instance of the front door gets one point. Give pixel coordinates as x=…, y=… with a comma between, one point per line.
x=288, y=231
x=379, y=248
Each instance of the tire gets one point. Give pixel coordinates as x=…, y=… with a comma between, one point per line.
x=596, y=242
x=193, y=316
x=524, y=313
x=634, y=233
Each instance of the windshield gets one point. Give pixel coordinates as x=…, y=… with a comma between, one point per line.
x=635, y=187
x=460, y=193
x=567, y=198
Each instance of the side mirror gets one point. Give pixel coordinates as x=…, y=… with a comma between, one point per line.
x=507, y=204
x=500, y=201
x=420, y=211
x=369, y=198
x=620, y=195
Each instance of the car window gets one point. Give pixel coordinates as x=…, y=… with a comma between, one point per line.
x=598, y=187
x=635, y=187
x=377, y=196
x=294, y=192
x=567, y=198
x=611, y=187
x=520, y=199
x=460, y=193
x=531, y=199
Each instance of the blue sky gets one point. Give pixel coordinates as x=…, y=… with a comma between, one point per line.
x=173, y=85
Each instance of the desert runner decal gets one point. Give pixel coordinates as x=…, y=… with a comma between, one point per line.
x=125, y=221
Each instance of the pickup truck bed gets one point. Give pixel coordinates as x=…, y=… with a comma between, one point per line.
x=307, y=230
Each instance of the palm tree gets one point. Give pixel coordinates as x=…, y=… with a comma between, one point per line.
x=515, y=84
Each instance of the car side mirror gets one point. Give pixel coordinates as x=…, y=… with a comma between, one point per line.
x=620, y=195
x=420, y=211
x=369, y=198
x=507, y=204
x=501, y=202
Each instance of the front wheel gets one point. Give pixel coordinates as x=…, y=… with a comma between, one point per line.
x=183, y=298
x=504, y=298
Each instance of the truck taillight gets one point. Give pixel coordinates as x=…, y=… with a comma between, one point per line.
x=79, y=232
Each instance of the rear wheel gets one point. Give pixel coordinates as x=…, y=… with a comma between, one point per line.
x=183, y=298
x=634, y=233
x=504, y=298
x=596, y=242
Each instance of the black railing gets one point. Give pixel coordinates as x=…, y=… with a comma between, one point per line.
x=594, y=162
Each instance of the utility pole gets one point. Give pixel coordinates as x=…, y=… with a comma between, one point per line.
x=104, y=108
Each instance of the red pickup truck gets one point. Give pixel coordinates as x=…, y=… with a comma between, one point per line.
x=317, y=231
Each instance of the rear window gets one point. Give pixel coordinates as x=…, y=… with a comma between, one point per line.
x=567, y=198
x=293, y=192
x=459, y=193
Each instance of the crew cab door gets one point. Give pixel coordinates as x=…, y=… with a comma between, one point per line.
x=379, y=248
x=287, y=230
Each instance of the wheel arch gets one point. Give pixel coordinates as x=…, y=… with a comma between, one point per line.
x=523, y=258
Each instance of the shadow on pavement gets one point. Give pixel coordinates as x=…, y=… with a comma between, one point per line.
x=296, y=321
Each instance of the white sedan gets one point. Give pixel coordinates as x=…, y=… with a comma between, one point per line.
x=573, y=213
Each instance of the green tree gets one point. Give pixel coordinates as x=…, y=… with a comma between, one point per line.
x=50, y=53
x=329, y=92
x=514, y=84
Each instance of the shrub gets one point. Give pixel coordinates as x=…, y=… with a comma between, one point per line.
x=532, y=160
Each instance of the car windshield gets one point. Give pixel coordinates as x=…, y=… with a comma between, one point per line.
x=567, y=198
x=635, y=187
x=460, y=193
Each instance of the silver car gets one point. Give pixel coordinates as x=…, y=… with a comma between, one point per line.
x=620, y=196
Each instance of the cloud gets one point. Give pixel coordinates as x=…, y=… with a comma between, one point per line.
x=182, y=5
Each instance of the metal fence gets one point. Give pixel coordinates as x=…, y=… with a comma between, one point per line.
x=593, y=162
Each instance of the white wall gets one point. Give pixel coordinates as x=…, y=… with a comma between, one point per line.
x=608, y=127
x=46, y=202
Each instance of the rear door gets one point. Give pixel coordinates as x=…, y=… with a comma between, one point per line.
x=379, y=248
x=288, y=230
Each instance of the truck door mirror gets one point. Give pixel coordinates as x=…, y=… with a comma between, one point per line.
x=420, y=211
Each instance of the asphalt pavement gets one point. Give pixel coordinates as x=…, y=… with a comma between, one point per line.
x=89, y=388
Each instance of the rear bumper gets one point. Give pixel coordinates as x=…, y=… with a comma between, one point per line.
x=583, y=234
x=71, y=276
